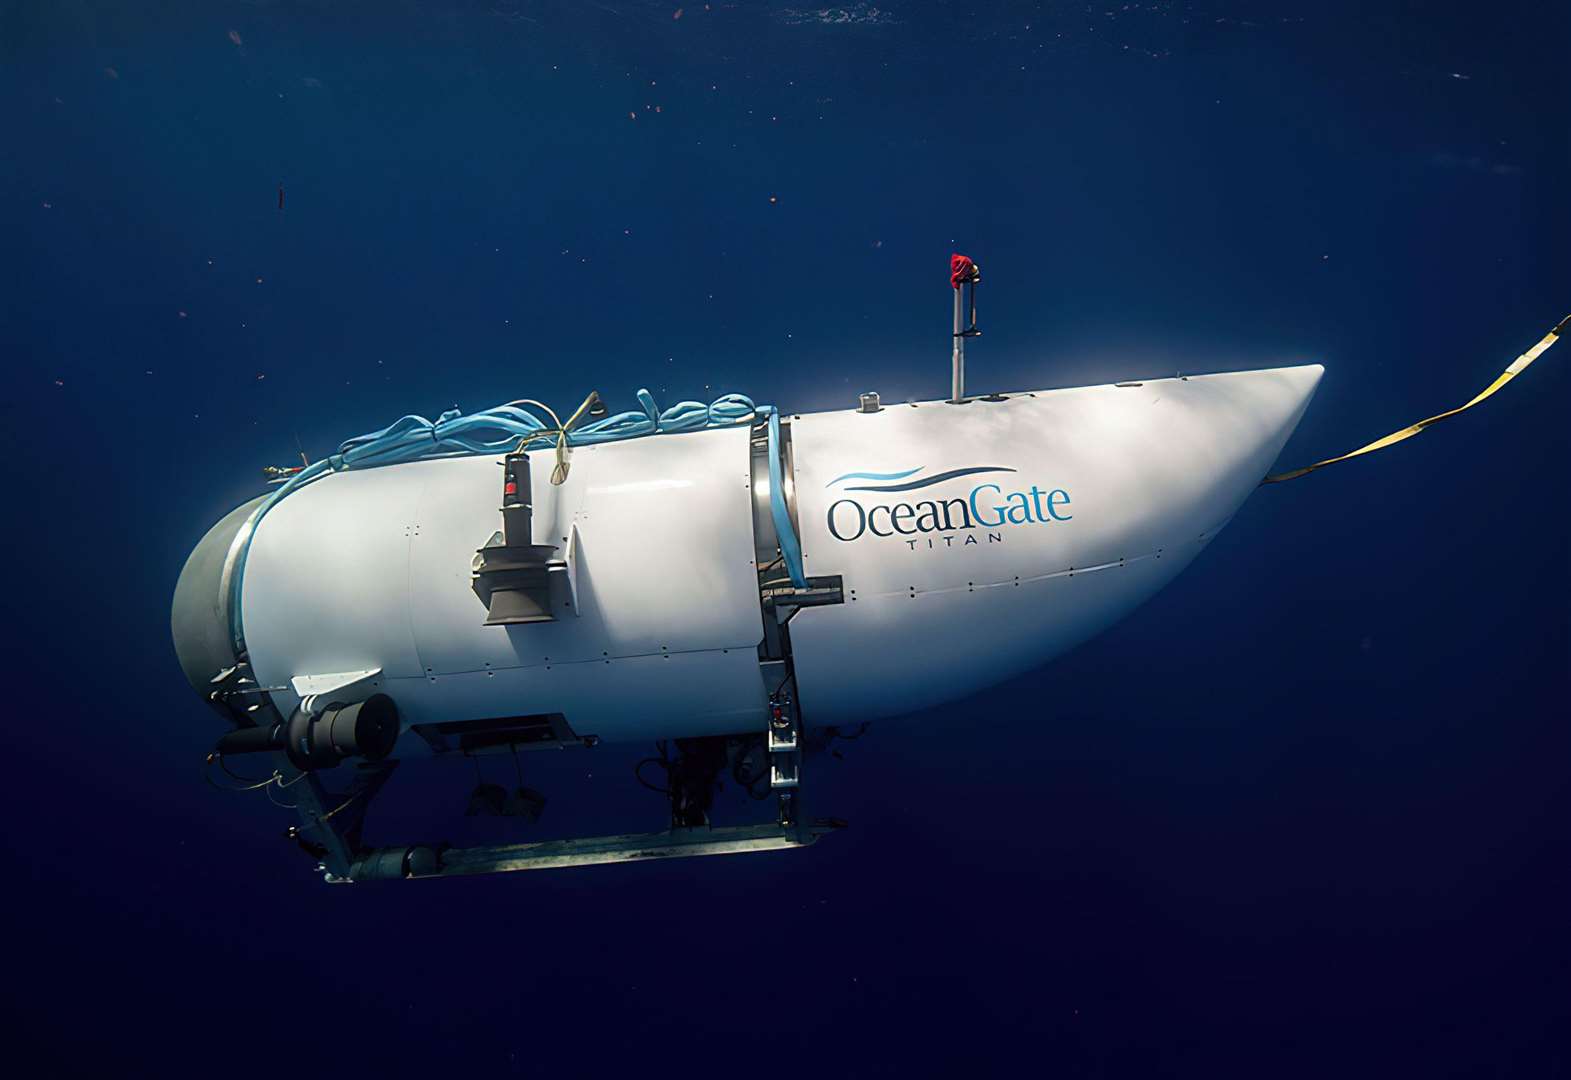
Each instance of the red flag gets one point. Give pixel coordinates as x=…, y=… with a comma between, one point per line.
x=962, y=271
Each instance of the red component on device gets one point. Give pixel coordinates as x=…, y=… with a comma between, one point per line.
x=961, y=271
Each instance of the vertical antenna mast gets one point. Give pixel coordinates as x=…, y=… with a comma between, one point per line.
x=962, y=272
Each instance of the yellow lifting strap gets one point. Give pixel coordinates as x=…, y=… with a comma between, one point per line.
x=1518, y=366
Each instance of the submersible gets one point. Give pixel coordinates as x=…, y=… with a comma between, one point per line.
x=735, y=588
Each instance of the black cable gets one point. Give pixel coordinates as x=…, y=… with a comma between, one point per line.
x=243, y=779
x=247, y=783
x=638, y=773
x=342, y=805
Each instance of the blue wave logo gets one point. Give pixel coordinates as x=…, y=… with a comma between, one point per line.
x=883, y=479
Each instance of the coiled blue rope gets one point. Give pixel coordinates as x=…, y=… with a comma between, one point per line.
x=511, y=427
x=500, y=430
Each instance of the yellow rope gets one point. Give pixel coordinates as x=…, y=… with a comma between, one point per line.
x=1518, y=366
x=559, y=471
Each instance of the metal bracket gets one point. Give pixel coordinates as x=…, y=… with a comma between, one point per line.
x=568, y=565
x=345, y=686
x=785, y=752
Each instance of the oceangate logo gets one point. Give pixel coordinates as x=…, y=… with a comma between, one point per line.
x=987, y=506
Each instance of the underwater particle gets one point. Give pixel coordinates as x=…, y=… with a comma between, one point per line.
x=59, y=382
x=234, y=36
x=675, y=15
x=182, y=314
x=773, y=200
x=260, y=376
x=49, y=206
x=259, y=281
x=280, y=196
x=111, y=72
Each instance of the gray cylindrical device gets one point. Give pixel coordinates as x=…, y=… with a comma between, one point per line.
x=517, y=502
x=511, y=576
x=365, y=729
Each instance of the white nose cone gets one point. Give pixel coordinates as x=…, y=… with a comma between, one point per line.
x=977, y=541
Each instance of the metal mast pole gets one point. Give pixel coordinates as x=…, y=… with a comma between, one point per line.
x=957, y=381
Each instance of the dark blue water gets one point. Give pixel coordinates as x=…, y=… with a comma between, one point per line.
x=1304, y=814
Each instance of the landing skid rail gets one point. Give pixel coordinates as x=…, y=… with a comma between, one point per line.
x=333, y=836
x=400, y=863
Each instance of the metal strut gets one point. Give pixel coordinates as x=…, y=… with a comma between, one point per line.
x=785, y=756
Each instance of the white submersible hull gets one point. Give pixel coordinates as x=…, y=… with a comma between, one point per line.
x=663, y=605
